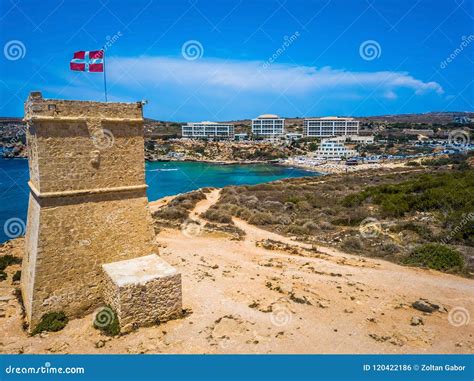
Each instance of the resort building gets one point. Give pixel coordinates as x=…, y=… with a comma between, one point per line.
x=241, y=137
x=334, y=149
x=355, y=139
x=268, y=126
x=208, y=130
x=461, y=119
x=361, y=139
x=293, y=136
x=330, y=126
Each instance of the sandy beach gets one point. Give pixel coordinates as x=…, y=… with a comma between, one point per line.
x=340, y=167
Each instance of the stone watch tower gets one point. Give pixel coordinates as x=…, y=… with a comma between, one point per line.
x=87, y=204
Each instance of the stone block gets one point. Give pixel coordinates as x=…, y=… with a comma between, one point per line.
x=143, y=291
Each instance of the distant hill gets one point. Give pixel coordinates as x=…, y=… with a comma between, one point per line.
x=427, y=118
x=157, y=128
x=162, y=128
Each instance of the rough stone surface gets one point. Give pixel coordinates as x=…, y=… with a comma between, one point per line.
x=142, y=291
x=87, y=204
x=416, y=320
x=425, y=306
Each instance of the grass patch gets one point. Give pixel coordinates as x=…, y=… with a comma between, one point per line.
x=435, y=256
x=422, y=230
x=447, y=194
x=416, y=205
x=51, y=322
x=17, y=276
x=106, y=320
x=7, y=260
x=458, y=160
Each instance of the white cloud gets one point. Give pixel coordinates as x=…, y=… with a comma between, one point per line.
x=219, y=76
x=390, y=95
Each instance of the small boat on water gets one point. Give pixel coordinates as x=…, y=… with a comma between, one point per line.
x=162, y=170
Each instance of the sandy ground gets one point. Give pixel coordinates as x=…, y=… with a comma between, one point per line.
x=241, y=298
x=155, y=205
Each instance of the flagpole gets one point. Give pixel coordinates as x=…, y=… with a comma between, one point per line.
x=105, y=76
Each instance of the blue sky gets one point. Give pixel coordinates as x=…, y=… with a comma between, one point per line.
x=223, y=60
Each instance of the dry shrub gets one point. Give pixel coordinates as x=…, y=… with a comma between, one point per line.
x=325, y=225
x=171, y=213
x=352, y=244
x=311, y=226
x=262, y=218
x=217, y=215
x=297, y=229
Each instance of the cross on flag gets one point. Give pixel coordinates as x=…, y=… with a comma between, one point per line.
x=92, y=61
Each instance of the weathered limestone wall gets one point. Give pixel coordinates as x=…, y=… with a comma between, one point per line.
x=31, y=249
x=37, y=106
x=88, y=203
x=65, y=151
x=76, y=239
x=84, y=145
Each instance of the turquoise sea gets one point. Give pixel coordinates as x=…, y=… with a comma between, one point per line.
x=163, y=179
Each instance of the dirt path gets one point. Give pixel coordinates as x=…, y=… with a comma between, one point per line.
x=203, y=205
x=242, y=298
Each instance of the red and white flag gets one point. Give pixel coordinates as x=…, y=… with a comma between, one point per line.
x=92, y=61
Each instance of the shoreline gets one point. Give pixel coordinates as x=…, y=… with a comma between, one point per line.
x=237, y=162
x=222, y=162
x=323, y=169
x=341, y=168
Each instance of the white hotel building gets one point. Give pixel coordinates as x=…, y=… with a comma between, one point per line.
x=268, y=126
x=208, y=130
x=330, y=126
x=334, y=149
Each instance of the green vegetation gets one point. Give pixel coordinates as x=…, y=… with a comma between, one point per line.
x=422, y=230
x=448, y=194
x=459, y=161
x=350, y=217
x=413, y=207
x=51, y=322
x=7, y=260
x=435, y=256
x=17, y=276
x=106, y=320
